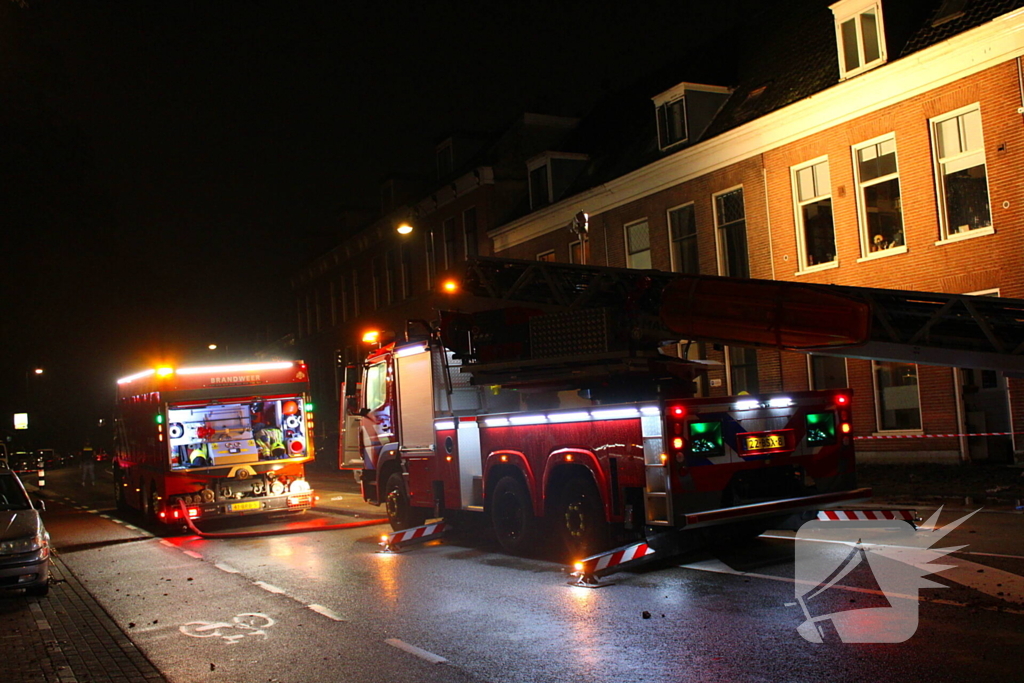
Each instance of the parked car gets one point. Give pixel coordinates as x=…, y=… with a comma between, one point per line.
x=24, y=461
x=51, y=458
x=24, y=541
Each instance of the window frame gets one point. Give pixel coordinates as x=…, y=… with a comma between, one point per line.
x=473, y=251
x=846, y=10
x=720, y=255
x=661, y=114
x=673, y=264
x=731, y=366
x=798, y=215
x=649, y=250
x=813, y=385
x=940, y=193
x=878, y=403
x=862, y=223
x=543, y=256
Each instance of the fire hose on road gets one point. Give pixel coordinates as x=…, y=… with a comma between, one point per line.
x=275, y=532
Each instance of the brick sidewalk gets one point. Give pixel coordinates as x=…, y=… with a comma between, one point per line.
x=66, y=637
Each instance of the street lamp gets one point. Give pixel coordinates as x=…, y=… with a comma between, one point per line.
x=406, y=228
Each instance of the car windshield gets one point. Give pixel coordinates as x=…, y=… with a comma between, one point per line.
x=12, y=496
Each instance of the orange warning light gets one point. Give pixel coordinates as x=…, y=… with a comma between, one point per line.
x=371, y=336
x=450, y=286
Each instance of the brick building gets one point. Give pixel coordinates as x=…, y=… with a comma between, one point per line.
x=873, y=143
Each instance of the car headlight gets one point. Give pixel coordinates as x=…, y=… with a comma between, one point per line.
x=23, y=545
x=299, y=486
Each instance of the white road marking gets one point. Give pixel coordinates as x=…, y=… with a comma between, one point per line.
x=133, y=528
x=269, y=587
x=337, y=497
x=320, y=609
x=226, y=568
x=989, y=580
x=105, y=516
x=164, y=541
x=94, y=511
x=418, y=652
x=192, y=553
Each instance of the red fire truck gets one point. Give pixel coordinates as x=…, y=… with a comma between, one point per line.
x=578, y=423
x=225, y=440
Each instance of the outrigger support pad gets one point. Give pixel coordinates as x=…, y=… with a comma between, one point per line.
x=586, y=573
x=394, y=542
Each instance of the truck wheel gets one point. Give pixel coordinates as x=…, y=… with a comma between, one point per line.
x=512, y=516
x=401, y=514
x=579, y=519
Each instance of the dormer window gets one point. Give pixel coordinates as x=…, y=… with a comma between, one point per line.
x=551, y=175
x=860, y=36
x=684, y=112
x=672, y=123
x=540, y=188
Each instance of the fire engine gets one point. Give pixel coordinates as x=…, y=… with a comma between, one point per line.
x=571, y=416
x=225, y=440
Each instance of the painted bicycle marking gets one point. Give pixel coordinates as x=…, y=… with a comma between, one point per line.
x=240, y=626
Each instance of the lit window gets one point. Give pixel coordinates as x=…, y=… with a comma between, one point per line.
x=860, y=36
x=879, y=201
x=682, y=226
x=638, y=246
x=672, y=123
x=815, y=231
x=731, y=228
x=896, y=396
x=962, y=178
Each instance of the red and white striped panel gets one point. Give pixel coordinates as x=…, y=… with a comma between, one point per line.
x=614, y=558
x=844, y=515
x=415, y=533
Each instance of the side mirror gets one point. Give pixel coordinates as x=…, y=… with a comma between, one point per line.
x=38, y=504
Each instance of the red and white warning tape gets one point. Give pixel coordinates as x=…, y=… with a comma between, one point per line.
x=932, y=436
x=843, y=515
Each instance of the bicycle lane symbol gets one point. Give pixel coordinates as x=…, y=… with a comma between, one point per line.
x=240, y=626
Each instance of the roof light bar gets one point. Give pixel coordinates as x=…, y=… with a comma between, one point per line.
x=137, y=375
x=242, y=367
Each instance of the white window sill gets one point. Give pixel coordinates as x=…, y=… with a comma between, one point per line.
x=970, y=234
x=882, y=254
x=861, y=69
x=818, y=268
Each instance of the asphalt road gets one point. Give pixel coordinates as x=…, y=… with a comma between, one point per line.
x=328, y=606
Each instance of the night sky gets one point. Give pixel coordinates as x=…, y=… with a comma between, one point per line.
x=168, y=166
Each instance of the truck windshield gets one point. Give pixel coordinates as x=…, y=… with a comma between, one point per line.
x=223, y=434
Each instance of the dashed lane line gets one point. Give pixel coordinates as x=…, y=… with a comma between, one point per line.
x=226, y=568
x=325, y=611
x=416, y=651
x=270, y=588
x=192, y=553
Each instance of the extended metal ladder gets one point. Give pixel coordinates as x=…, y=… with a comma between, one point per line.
x=955, y=330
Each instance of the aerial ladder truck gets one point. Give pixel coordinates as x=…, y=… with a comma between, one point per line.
x=557, y=402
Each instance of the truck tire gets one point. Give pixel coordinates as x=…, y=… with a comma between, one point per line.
x=401, y=514
x=579, y=519
x=512, y=516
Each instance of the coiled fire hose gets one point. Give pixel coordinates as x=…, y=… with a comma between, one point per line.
x=276, y=532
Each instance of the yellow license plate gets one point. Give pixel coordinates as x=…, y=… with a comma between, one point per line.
x=765, y=442
x=252, y=505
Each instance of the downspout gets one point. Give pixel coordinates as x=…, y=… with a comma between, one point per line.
x=768, y=216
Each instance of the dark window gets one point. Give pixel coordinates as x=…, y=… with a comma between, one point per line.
x=732, y=233
x=879, y=181
x=469, y=232
x=539, y=195
x=899, y=404
x=828, y=372
x=672, y=122
x=449, y=243
x=743, y=370
x=814, y=213
x=683, y=230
